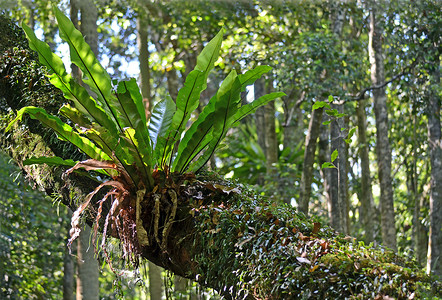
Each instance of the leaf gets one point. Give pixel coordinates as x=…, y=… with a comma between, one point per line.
x=326, y=122
x=332, y=112
x=95, y=76
x=319, y=104
x=249, y=77
x=51, y=161
x=139, y=152
x=64, y=81
x=133, y=117
x=226, y=105
x=334, y=155
x=92, y=165
x=188, y=96
x=249, y=108
x=161, y=119
x=63, y=130
x=328, y=165
x=350, y=135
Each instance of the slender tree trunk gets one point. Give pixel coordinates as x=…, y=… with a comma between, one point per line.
x=366, y=195
x=324, y=156
x=144, y=63
x=155, y=281
x=338, y=192
x=383, y=149
x=271, y=142
x=88, y=270
x=68, y=269
x=259, y=88
x=266, y=128
x=309, y=158
x=434, y=262
x=294, y=123
x=87, y=277
x=336, y=214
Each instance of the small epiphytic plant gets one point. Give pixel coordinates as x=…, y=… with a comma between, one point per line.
x=109, y=125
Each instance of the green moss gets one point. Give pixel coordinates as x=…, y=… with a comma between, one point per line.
x=252, y=247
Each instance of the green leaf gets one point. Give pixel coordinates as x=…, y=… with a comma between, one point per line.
x=63, y=130
x=319, y=104
x=332, y=112
x=326, y=122
x=133, y=115
x=249, y=108
x=81, y=54
x=350, y=135
x=328, y=165
x=188, y=96
x=226, y=105
x=51, y=161
x=64, y=81
x=75, y=116
x=161, y=119
x=334, y=155
x=249, y=77
x=140, y=154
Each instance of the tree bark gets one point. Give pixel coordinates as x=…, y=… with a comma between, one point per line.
x=68, y=270
x=231, y=241
x=383, y=149
x=87, y=264
x=434, y=262
x=338, y=177
x=309, y=158
x=366, y=194
x=143, y=57
x=87, y=275
x=324, y=156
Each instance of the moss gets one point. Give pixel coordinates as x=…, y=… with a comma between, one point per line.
x=251, y=248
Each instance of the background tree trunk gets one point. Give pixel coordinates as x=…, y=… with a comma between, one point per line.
x=366, y=195
x=383, y=150
x=434, y=262
x=87, y=275
x=87, y=264
x=309, y=158
x=68, y=269
x=143, y=58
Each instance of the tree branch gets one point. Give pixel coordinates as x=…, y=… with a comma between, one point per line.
x=361, y=94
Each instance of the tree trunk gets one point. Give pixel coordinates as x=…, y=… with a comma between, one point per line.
x=144, y=63
x=336, y=206
x=155, y=282
x=434, y=262
x=324, y=156
x=87, y=275
x=366, y=195
x=227, y=239
x=68, y=271
x=270, y=138
x=338, y=192
x=309, y=158
x=259, y=89
x=88, y=270
x=383, y=150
